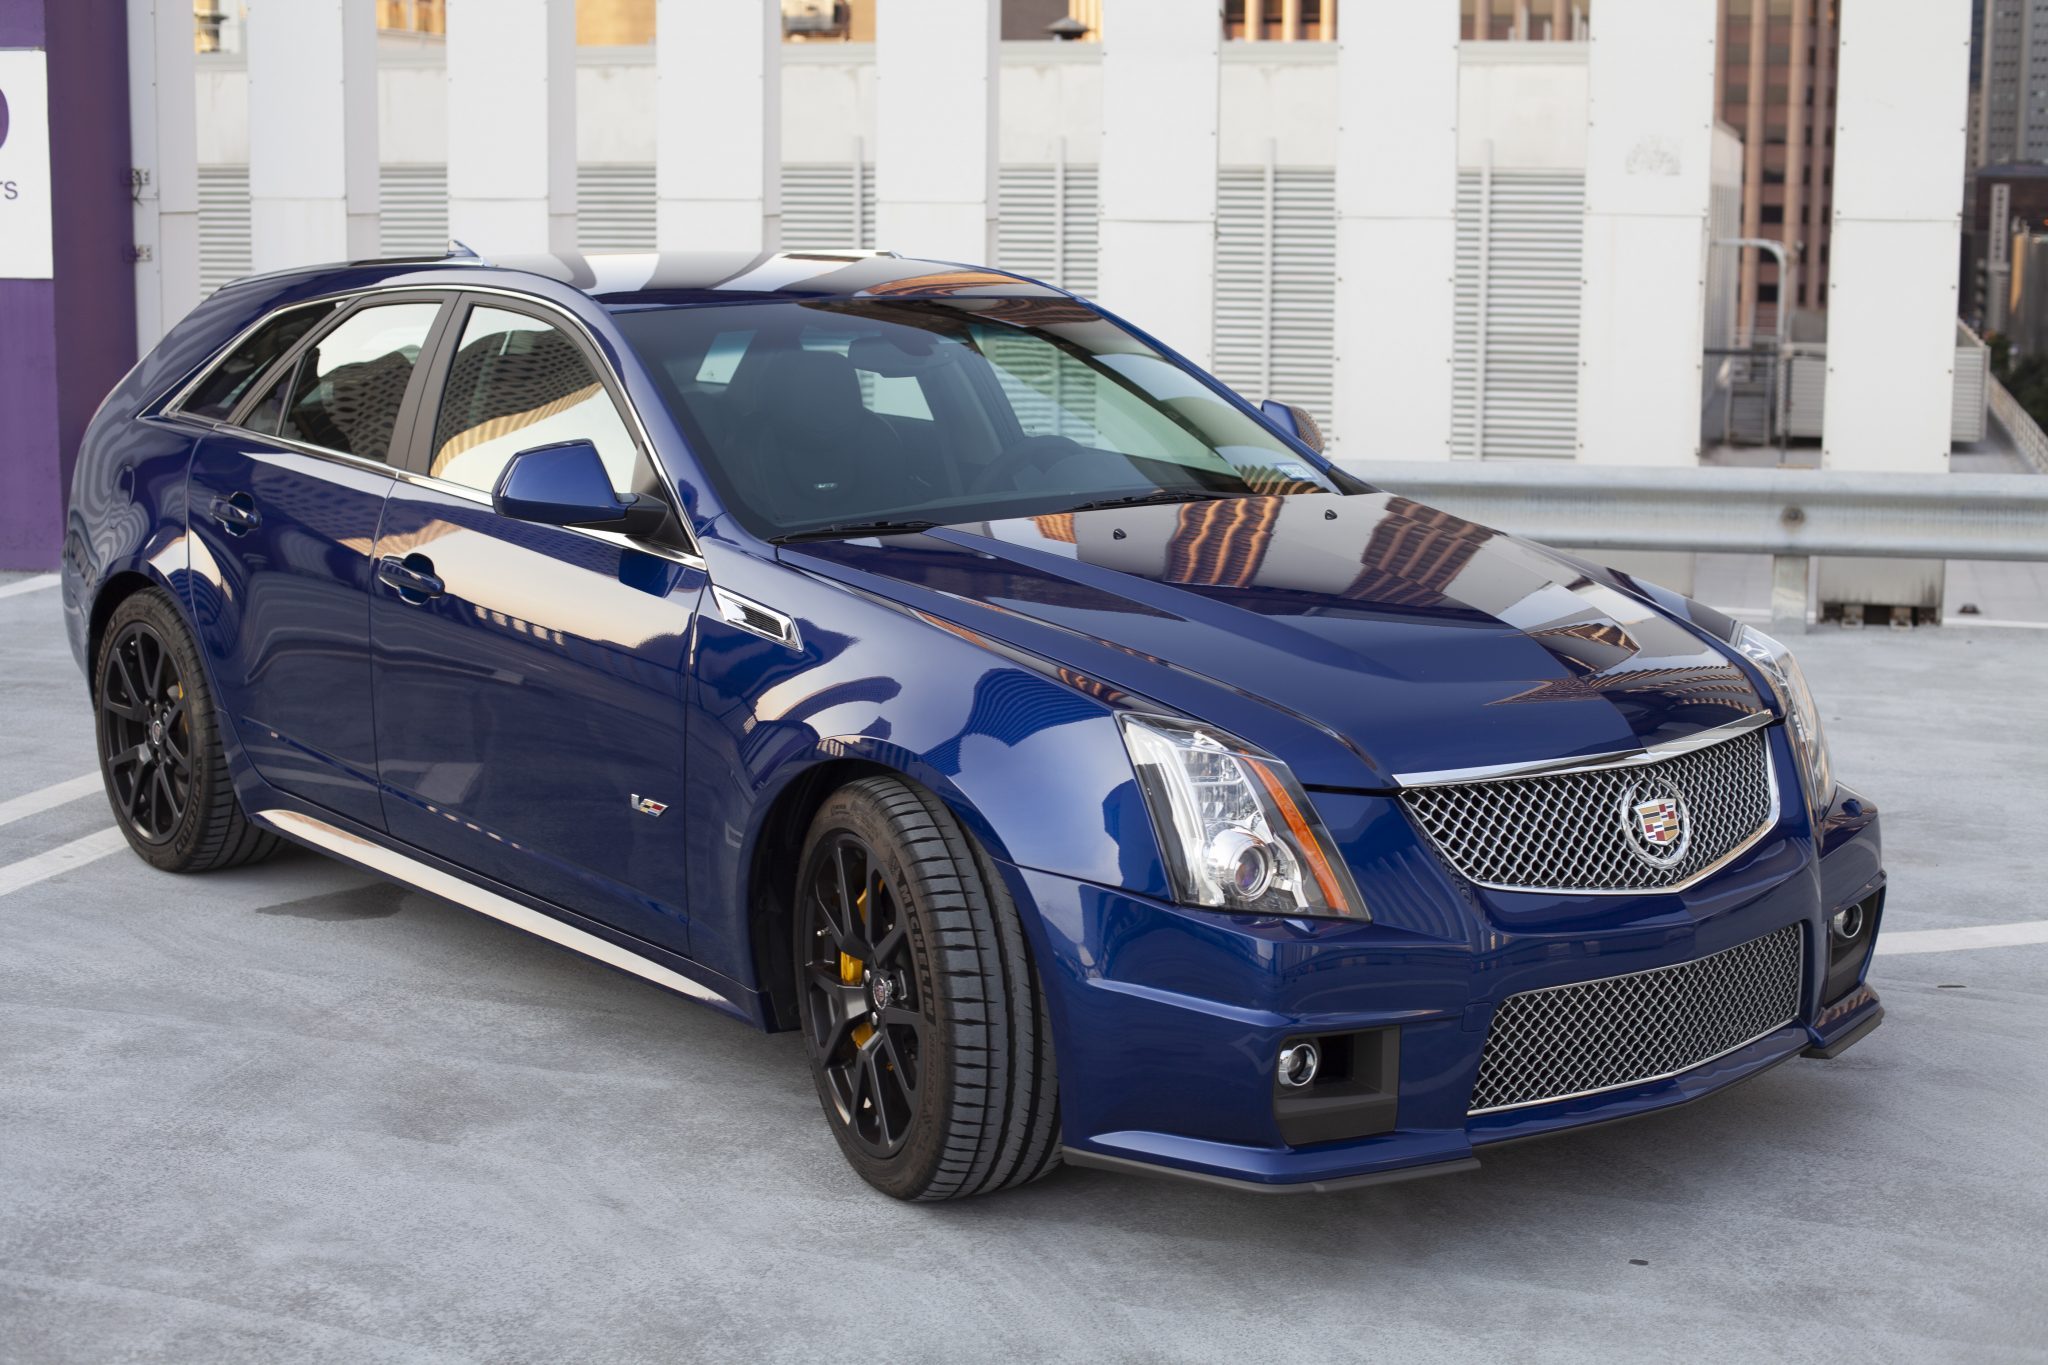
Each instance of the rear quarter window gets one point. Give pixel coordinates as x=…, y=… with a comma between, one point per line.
x=218, y=393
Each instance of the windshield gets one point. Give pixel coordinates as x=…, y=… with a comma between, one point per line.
x=853, y=416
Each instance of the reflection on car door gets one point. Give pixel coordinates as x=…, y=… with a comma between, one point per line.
x=530, y=679
x=285, y=501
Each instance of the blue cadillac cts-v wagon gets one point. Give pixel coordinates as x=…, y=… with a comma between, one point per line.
x=916, y=656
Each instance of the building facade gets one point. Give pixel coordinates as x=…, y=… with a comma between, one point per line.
x=2012, y=82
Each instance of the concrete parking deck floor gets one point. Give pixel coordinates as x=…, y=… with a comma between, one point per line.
x=290, y=1113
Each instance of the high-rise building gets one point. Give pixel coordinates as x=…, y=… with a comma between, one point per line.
x=1777, y=90
x=2012, y=92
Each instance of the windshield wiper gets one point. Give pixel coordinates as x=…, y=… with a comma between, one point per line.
x=846, y=530
x=1160, y=495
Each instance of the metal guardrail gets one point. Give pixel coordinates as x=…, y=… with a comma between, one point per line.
x=1788, y=514
x=2019, y=424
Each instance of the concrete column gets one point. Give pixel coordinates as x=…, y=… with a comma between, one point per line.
x=1397, y=234
x=718, y=124
x=935, y=128
x=1161, y=94
x=163, y=137
x=1810, y=283
x=1899, y=151
x=1752, y=169
x=67, y=299
x=1793, y=234
x=312, y=132
x=512, y=126
x=1649, y=181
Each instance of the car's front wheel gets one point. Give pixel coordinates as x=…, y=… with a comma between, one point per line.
x=926, y=1025
x=159, y=741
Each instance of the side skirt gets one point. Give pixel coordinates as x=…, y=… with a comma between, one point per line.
x=411, y=871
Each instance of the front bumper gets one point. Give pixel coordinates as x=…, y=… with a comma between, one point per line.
x=1169, y=1021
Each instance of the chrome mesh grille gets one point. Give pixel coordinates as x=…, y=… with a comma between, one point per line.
x=1569, y=832
x=1624, y=1030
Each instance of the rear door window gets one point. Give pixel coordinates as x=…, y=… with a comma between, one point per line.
x=348, y=387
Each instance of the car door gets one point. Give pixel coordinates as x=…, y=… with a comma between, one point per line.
x=529, y=680
x=285, y=499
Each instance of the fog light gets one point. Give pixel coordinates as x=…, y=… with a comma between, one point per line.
x=1848, y=923
x=1298, y=1065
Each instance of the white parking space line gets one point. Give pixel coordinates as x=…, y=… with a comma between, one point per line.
x=1954, y=940
x=49, y=797
x=36, y=584
x=62, y=858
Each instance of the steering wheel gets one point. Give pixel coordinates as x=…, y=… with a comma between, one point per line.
x=1033, y=452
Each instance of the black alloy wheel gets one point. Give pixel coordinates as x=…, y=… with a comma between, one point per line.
x=865, y=997
x=146, y=734
x=921, y=1008
x=159, y=741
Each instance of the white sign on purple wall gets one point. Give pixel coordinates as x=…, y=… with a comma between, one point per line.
x=24, y=165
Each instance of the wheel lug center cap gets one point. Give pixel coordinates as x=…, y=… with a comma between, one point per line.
x=156, y=732
x=882, y=991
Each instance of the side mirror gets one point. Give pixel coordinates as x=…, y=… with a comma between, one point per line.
x=1295, y=422
x=566, y=485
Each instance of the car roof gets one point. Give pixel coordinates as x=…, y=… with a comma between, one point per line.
x=628, y=280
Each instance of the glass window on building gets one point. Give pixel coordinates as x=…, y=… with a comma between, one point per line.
x=425, y=17
x=1526, y=20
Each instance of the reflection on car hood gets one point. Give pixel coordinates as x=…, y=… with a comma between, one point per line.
x=1419, y=640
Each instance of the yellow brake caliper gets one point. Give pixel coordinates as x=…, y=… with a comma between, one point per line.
x=850, y=970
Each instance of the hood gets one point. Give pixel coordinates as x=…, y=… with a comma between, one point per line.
x=1417, y=640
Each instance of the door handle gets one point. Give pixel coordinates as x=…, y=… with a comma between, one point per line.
x=236, y=514
x=411, y=577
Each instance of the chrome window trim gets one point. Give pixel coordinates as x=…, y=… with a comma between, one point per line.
x=457, y=490
x=691, y=554
x=1560, y=767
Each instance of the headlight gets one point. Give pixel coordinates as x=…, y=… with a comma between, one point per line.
x=1802, y=718
x=1236, y=828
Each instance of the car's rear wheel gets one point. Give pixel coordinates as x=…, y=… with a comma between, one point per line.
x=922, y=1010
x=159, y=742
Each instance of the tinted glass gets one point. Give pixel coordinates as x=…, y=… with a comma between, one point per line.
x=811, y=413
x=351, y=382
x=263, y=417
x=515, y=383
x=218, y=393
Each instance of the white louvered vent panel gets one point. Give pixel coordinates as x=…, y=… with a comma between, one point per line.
x=615, y=207
x=1304, y=281
x=1276, y=261
x=223, y=225
x=1515, y=372
x=828, y=207
x=1242, y=320
x=1047, y=224
x=413, y=210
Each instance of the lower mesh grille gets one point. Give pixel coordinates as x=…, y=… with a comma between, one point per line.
x=1624, y=1030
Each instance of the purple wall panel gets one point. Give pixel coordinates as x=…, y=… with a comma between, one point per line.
x=65, y=342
